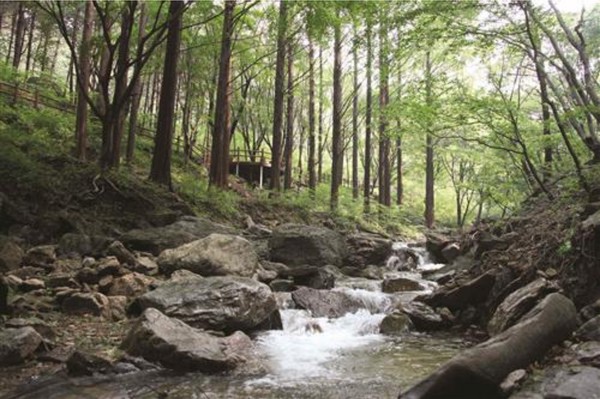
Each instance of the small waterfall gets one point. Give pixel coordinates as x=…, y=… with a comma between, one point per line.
x=410, y=257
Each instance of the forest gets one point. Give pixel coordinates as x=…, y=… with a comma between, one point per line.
x=300, y=198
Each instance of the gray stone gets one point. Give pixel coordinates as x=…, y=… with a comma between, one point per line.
x=584, y=384
x=280, y=285
x=401, y=284
x=478, y=372
x=223, y=303
x=86, y=303
x=130, y=285
x=42, y=255
x=176, y=345
x=82, y=363
x=518, y=303
x=472, y=292
x=395, y=323
x=590, y=330
x=215, y=255
x=325, y=303
x=32, y=284
x=320, y=279
x=368, y=249
x=183, y=276
x=295, y=245
x=146, y=266
x=117, y=249
x=11, y=255
x=451, y=251
x=423, y=317
x=513, y=381
x=18, y=344
x=157, y=239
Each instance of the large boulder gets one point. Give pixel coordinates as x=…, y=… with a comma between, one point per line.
x=518, y=303
x=423, y=317
x=368, y=249
x=17, y=344
x=223, y=303
x=11, y=255
x=215, y=255
x=478, y=372
x=296, y=245
x=472, y=292
x=176, y=345
x=401, y=284
x=325, y=303
x=157, y=239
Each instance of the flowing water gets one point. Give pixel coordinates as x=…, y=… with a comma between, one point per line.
x=344, y=357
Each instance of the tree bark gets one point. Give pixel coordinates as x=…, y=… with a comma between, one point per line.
x=429, y=169
x=160, y=171
x=337, y=156
x=368, y=116
x=384, y=140
x=289, y=136
x=19, y=36
x=136, y=94
x=83, y=88
x=31, y=29
x=278, y=97
x=219, y=163
x=312, y=177
x=355, y=188
x=320, y=133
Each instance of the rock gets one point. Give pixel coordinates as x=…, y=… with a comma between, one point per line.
x=294, y=245
x=82, y=245
x=325, y=303
x=88, y=261
x=13, y=281
x=592, y=222
x=227, y=303
x=435, y=243
x=423, y=317
x=265, y=276
x=43, y=256
x=25, y=272
x=320, y=279
x=39, y=325
x=176, y=345
x=146, y=266
x=280, y=285
x=105, y=283
x=278, y=268
x=403, y=258
x=450, y=252
x=513, y=381
x=488, y=243
x=473, y=292
x=32, y=284
x=518, y=303
x=117, y=249
x=368, y=249
x=589, y=331
x=478, y=372
x=87, y=275
x=118, y=307
x=80, y=364
x=59, y=354
x=86, y=303
x=395, y=323
x=215, y=255
x=157, y=239
x=11, y=255
x=584, y=384
x=18, y=344
x=391, y=285
x=61, y=280
x=109, y=266
x=130, y=285
x=590, y=311
x=588, y=353
x=185, y=276
x=372, y=272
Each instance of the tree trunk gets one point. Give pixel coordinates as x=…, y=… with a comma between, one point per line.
x=320, y=134
x=219, y=163
x=312, y=177
x=71, y=73
x=160, y=171
x=31, y=29
x=19, y=36
x=384, y=140
x=399, y=170
x=337, y=156
x=136, y=94
x=429, y=170
x=355, y=189
x=83, y=88
x=278, y=97
x=367, y=176
x=289, y=136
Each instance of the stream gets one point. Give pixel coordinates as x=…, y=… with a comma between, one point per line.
x=344, y=357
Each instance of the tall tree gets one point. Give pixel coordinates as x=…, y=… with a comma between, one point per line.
x=337, y=154
x=160, y=171
x=312, y=176
x=83, y=82
x=355, y=190
x=384, y=175
x=19, y=35
x=368, y=116
x=429, y=167
x=289, y=135
x=278, y=96
x=219, y=162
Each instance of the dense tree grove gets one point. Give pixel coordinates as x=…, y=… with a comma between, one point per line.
x=460, y=107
